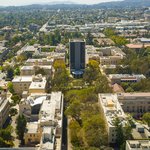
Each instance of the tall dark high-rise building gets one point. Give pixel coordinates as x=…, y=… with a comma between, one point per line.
x=77, y=56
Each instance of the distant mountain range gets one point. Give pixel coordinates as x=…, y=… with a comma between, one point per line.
x=124, y=3
x=69, y=4
x=59, y=2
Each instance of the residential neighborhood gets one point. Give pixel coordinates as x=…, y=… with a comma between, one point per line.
x=75, y=75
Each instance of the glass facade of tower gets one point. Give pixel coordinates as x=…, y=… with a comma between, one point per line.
x=77, y=55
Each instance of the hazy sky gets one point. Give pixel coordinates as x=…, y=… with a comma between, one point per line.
x=25, y=2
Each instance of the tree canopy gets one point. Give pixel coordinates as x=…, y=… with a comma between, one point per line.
x=21, y=127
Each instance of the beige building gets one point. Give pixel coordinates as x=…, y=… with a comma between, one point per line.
x=33, y=134
x=135, y=103
x=21, y=83
x=138, y=145
x=111, y=110
x=4, y=108
x=110, y=60
x=35, y=84
x=40, y=62
x=118, y=78
x=38, y=84
x=111, y=55
x=27, y=71
x=31, y=70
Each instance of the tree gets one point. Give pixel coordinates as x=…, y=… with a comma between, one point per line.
x=119, y=41
x=89, y=39
x=12, y=111
x=39, y=70
x=59, y=64
x=10, y=87
x=91, y=72
x=102, y=85
x=74, y=110
x=146, y=118
x=129, y=89
x=84, y=111
x=16, y=99
x=74, y=132
x=94, y=131
x=17, y=71
x=109, y=32
x=119, y=132
x=5, y=137
x=122, y=133
x=21, y=127
x=61, y=77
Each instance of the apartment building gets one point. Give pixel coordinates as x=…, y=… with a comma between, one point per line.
x=111, y=110
x=4, y=108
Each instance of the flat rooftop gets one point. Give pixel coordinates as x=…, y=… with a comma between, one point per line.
x=29, y=48
x=32, y=127
x=77, y=40
x=49, y=107
x=22, y=79
x=35, y=100
x=38, y=85
x=39, y=60
x=111, y=108
x=27, y=68
x=134, y=94
x=127, y=76
x=137, y=46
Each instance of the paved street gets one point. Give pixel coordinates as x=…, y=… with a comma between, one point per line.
x=13, y=124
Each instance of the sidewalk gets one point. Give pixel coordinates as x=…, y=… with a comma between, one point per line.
x=70, y=147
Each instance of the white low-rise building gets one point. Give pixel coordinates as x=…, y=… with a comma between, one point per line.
x=45, y=115
x=111, y=110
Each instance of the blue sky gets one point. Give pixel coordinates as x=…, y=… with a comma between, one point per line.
x=25, y=2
